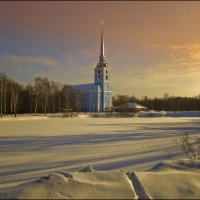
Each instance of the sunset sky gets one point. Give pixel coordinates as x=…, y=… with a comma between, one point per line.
x=151, y=47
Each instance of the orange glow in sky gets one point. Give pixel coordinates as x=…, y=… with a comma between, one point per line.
x=151, y=47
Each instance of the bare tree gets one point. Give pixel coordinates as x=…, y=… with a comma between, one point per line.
x=55, y=91
x=41, y=90
x=3, y=81
x=67, y=99
x=166, y=95
x=45, y=93
x=11, y=100
x=77, y=99
x=1, y=93
x=37, y=92
x=5, y=96
x=29, y=89
x=36, y=97
x=60, y=86
x=15, y=90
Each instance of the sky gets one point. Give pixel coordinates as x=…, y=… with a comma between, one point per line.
x=152, y=47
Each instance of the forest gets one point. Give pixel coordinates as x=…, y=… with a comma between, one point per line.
x=43, y=96
x=165, y=103
x=47, y=96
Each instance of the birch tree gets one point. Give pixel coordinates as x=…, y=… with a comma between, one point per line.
x=45, y=93
x=3, y=80
x=77, y=100
x=67, y=99
x=1, y=93
x=15, y=91
x=54, y=88
x=36, y=92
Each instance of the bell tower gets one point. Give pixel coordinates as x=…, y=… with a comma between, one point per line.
x=102, y=78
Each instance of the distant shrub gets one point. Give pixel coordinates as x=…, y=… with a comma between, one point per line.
x=190, y=145
x=95, y=114
x=70, y=114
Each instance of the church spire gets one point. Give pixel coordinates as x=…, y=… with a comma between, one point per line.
x=102, y=57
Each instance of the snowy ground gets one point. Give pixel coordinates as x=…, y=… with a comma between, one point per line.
x=167, y=180
x=33, y=147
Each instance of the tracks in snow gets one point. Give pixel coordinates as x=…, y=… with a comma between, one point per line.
x=138, y=189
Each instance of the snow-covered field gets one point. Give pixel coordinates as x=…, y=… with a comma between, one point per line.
x=33, y=147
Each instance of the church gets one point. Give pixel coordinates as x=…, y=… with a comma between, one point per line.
x=97, y=96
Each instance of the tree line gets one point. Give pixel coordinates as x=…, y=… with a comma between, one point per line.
x=43, y=96
x=47, y=96
x=166, y=103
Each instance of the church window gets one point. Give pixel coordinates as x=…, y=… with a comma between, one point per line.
x=106, y=77
x=106, y=71
x=98, y=71
x=99, y=77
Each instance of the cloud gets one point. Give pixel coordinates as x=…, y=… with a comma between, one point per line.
x=186, y=56
x=178, y=74
x=24, y=69
x=21, y=60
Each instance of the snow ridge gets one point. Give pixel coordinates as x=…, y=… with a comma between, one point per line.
x=90, y=184
x=137, y=186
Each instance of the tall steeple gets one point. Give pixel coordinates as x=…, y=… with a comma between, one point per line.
x=102, y=56
x=102, y=79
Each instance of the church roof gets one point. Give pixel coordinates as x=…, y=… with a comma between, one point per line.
x=85, y=86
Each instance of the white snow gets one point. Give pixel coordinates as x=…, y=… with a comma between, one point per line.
x=167, y=180
x=153, y=113
x=34, y=147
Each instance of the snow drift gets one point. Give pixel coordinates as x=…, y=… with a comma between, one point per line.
x=171, y=179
